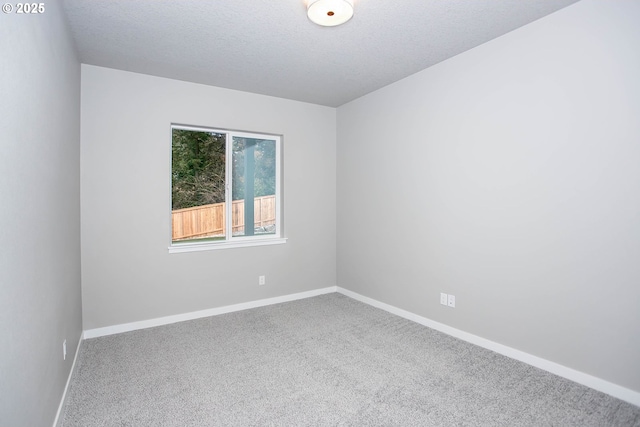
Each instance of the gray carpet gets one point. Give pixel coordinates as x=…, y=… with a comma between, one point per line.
x=322, y=361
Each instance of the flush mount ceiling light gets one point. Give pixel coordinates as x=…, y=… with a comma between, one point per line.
x=330, y=13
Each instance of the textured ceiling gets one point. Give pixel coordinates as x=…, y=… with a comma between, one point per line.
x=270, y=46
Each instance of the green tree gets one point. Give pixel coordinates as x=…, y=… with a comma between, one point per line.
x=197, y=168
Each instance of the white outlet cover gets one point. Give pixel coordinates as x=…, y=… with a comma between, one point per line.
x=261, y=280
x=452, y=301
x=443, y=298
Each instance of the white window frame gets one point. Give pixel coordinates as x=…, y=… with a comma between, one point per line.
x=230, y=240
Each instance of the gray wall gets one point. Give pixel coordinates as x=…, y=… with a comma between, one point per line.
x=127, y=273
x=40, y=215
x=508, y=176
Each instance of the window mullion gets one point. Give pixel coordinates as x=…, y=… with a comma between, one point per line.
x=278, y=186
x=228, y=193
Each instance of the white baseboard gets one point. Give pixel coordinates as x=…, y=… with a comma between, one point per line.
x=143, y=324
x=595, y=383
x=57, y=419
x=590, y=381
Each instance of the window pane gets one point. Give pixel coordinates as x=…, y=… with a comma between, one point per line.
x=254, y=186
x=197, y=185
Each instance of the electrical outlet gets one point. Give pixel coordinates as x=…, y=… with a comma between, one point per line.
x=64, y=350
x=262, y=280
x=452, y=301
x=443, y=298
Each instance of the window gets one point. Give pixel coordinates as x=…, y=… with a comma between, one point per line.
x=225, y=189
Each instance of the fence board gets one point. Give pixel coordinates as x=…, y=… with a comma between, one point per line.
x=209, y=220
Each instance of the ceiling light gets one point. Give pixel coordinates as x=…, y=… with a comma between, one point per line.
x=330, y=13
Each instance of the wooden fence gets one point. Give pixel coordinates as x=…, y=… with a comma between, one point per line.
x=210, y=220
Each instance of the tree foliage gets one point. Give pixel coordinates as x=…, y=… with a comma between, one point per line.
x=198, y=168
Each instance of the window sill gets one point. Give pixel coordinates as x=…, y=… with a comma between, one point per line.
x=208, y=246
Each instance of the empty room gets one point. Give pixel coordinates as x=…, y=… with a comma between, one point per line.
x=320, y=213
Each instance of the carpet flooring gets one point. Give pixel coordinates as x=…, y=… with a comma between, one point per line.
x=322, y=361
